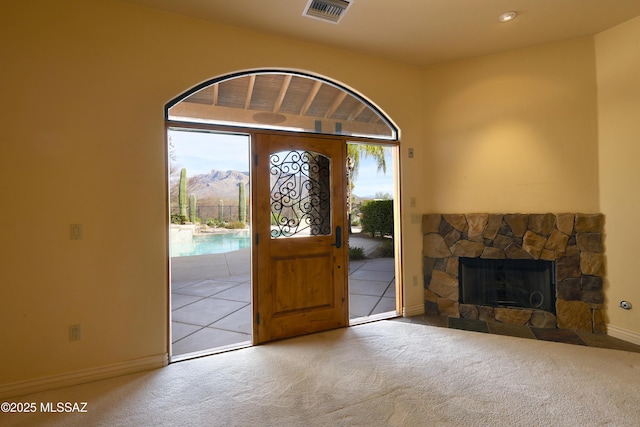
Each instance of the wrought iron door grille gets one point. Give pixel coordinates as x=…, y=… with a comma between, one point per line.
x=300, y=194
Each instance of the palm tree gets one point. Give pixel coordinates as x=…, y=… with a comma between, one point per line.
x=354, y=153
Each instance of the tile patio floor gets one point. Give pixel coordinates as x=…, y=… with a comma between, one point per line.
x=211, y=296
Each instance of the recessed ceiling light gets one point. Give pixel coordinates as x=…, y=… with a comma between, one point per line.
x=507, y=16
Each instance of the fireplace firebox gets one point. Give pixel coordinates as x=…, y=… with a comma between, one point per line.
x=519, y=283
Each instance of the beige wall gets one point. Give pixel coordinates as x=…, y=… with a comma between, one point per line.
x=84, y=87
x=85, y=84
x=618, y=71
x=513, y=132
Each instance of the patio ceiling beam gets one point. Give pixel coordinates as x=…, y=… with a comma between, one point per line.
x=252, y=82
x=356, y=112
x=283, y=92
x=336, y=103
x=312, y=95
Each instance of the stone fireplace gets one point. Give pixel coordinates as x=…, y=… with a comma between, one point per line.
x=571, y=241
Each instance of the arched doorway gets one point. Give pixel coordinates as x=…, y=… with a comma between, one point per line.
x=297, y=278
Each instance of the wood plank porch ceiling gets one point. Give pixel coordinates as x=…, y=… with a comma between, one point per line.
x=274, y=98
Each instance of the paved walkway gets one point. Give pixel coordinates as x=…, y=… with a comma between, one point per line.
x=211, y=296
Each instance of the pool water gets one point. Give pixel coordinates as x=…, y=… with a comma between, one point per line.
x=211, y=244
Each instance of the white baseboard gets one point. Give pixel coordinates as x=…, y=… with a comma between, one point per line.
x=83, y=376
x=623, y=334
x=415, y=310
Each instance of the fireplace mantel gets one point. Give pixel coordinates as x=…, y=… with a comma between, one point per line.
x=572, y=240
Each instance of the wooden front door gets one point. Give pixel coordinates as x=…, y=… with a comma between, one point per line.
x=300, y=250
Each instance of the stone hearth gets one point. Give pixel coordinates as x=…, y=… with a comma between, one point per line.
x=572, y=240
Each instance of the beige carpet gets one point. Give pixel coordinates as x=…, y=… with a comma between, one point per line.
x=377, y=374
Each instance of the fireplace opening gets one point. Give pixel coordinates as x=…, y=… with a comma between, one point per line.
x=519, y=283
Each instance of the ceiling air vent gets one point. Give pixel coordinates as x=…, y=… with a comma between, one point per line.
x=327, y=10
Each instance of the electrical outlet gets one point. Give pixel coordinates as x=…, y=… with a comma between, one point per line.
x=75, y=332
x=416, y=218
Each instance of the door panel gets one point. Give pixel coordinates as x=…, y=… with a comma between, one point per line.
x=298, y=284
x=300, y=257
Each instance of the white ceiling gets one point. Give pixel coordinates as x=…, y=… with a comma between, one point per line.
x=419, y=32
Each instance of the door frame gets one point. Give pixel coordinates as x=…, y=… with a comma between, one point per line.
x=252, y=132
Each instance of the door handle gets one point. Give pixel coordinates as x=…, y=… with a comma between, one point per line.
x=338, y=242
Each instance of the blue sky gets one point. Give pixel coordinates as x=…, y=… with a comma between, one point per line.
x=370, y=181
x=201, y=152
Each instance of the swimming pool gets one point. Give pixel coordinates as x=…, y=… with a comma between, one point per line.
x=211, y=244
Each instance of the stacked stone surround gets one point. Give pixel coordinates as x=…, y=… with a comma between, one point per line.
x=572, y=240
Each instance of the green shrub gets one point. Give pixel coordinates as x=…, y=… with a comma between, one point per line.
x=356, y=253
x=178, y=219
x=213, y=222
x=235, y=225
x=377, y=217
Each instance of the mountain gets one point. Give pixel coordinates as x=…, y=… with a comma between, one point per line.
x=211, y=187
